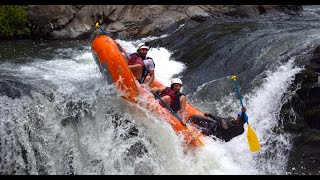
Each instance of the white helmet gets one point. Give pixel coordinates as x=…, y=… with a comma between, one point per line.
x=141, y=46
x=176, y=80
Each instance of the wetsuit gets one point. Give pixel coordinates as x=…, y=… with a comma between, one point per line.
x=223, y=128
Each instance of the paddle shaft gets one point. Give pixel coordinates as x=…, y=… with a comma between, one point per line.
x=98, y=25
x=238, y=91
x=240, y=97
x=174, y=113
x=104, y=31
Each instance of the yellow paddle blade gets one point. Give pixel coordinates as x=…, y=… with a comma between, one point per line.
x=253, y=140
x=97, y=24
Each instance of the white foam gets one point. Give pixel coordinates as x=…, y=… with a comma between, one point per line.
x=263, y=107
x=216, y=157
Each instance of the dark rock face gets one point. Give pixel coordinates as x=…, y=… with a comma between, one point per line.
x=78, y=21
x=291, y=9
x=315, y=61
x=305, y=158
x=301, y=116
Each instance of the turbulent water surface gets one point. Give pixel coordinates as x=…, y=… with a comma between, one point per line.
x=58, y=115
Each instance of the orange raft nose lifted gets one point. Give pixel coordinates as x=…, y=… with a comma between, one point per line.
x=111, y=63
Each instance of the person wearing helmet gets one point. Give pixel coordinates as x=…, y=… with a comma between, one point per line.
x=173, y=97
x=141, y=65
x=222, y=128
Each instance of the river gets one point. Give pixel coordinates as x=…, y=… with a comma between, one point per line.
x=58, y=115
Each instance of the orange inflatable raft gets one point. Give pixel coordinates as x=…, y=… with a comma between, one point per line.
x=111, y=63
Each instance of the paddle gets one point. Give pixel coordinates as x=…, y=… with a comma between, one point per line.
x=174, y=113
x=97, y=25
x=251, y=135
x=108, y=34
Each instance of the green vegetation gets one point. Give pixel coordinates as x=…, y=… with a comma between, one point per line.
x=13, y=21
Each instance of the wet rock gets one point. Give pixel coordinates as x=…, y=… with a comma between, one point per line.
x=75, y=22
x=138, y=149
x=123, y=124
x=305, y=158
x=11, y=87
x=69, y=157
x=7, y=90
x=75, y=111
x=301, y=117
x=305, y=102
x=291, y=9
x=197, y=13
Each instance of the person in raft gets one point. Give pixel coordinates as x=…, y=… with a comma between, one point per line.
x=141, y=65
x=173, y=97
x=222, y=128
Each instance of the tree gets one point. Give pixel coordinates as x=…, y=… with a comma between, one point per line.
x=13, y=21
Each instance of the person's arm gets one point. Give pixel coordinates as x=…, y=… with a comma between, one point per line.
x=122, y=51
x=150, y=67
x=151, y=78
x=208, y=115
x=182, y=112
x=157, y=89
x=239, y=118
